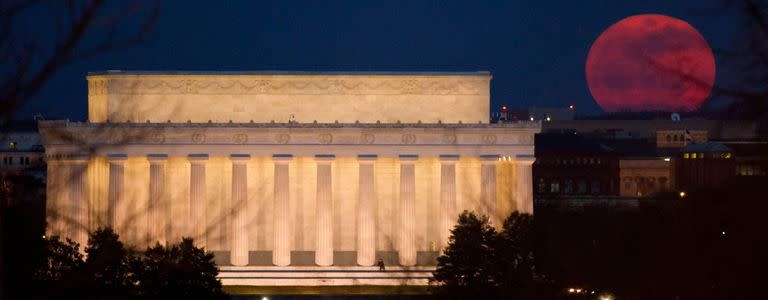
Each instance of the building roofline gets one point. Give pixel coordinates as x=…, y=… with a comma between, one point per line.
x=288, y=73
x=525, y=125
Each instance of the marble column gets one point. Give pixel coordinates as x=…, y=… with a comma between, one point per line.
x=158, y=209
x=78, y=225
x=524, y=177
x=488, y=187
x=324, y=210
x=281, y=254
x=366, y=211
x=448, y=215
x=196, y=220
x=238, y=254
x=407, y=234
x=115, y=199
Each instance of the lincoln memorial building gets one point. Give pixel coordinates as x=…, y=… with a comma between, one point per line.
x=290, y=178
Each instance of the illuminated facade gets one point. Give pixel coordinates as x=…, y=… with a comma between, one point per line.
x=289, y=178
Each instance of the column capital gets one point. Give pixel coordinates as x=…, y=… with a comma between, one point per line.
x=408, y=158
x=75, y=158
x=117, y=158
x=324, y=158
x=197, y=158
x=157, y=158
x=449, y=158
x=367, y=158
x=525, y=159
x=239, y=158
x=489, y=158
x=282, y=157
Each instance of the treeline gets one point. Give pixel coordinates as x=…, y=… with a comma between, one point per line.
x=704, y=244
x=57, y=269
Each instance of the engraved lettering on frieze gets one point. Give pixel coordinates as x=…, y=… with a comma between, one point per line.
x=198, y=138
x=295, y=86
x=282, y=138
x=240, y=138
x=367, y=138
x=449, y=139
x=409, y=138
x=325, y=138
x=489, y=139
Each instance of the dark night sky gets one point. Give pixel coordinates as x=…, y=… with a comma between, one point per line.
x=535, y=50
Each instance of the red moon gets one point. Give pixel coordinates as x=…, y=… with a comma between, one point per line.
x=650, y=62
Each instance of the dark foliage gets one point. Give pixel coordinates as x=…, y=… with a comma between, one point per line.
x=706, y=245
x=181, y=270
x=481, y=263
x=107, y=269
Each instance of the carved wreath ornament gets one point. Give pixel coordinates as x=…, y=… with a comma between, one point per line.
x=449, y=139
x=367, y=138
x=157, y=138
x=198, y=138
x=282, y=138
x=409, y=138
x=325, y=138
x=489, y=139
x=240, y=138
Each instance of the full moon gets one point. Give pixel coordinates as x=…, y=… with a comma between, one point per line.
x=650, y=62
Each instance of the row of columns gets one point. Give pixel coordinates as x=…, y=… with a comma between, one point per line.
x=366, y=209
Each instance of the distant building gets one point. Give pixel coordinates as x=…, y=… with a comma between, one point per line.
x=750, y=157
x=21, y=161
x=706, y=164
x=569, y=164
x=644, y=176
x=21, y=149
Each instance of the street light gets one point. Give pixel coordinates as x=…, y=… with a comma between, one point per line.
x=682, y=194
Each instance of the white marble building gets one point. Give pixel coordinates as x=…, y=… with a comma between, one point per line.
x=311, y=176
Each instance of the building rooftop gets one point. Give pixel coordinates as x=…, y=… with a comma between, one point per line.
x=706, y=147
x=292, y=73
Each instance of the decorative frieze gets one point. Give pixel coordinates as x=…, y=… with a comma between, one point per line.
x=259, y=134
x=150, y=85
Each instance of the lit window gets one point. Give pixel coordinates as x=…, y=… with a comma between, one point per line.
x=693, y=155
x=12, y=145
x=727, y=156
x=686, y=155
x=554, y=187
x=542, y=185
x=701, y=155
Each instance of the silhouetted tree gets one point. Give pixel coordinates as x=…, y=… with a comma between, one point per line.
x=181, y=270
x=514, y=258
x=465, y=269
x=480, y=262
x=60, y=260
x=107, y=268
